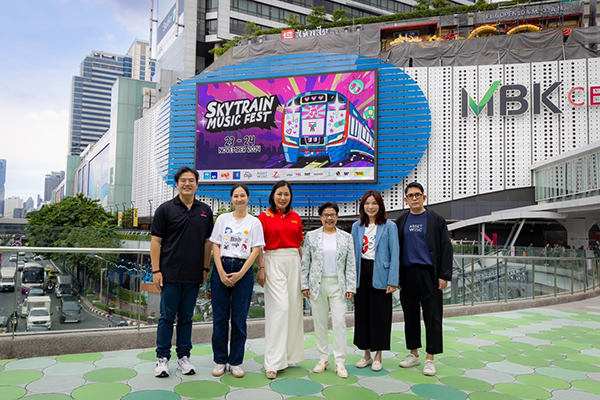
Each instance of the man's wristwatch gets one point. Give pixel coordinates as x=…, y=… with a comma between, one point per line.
x=206, y=269
x=156, y=272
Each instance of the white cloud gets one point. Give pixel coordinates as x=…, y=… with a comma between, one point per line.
x=33, y=144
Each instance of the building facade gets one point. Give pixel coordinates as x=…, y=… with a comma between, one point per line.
x=2, y=184
x=12, y=203
x=91, y=90
x=494, y=109
x=51, y=181
x=103, y=172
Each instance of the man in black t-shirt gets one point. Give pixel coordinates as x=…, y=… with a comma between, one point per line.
x=425, y=269
x=180, y=254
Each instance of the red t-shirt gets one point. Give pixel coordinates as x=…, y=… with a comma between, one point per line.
x=281, y=230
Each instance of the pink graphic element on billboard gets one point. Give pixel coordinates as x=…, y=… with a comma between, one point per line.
x=303, y=128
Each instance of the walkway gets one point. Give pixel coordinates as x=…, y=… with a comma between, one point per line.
x=540, y=353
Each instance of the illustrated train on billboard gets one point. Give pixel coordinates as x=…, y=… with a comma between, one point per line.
x=325, y=123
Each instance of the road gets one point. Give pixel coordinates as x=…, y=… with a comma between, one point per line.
x=7, y=306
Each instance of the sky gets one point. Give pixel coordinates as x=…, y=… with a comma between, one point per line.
x=43, y=43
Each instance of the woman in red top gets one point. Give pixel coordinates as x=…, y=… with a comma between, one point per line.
x=280, y=276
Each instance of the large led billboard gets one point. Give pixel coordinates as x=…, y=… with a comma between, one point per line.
x=303, y=128
x=98, y=177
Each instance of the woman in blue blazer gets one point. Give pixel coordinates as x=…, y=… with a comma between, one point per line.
x=377, y=254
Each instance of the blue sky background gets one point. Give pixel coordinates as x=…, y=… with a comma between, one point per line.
x=42, y=44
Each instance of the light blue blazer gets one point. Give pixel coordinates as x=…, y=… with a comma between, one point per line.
x=312, y=262
x=386, y=267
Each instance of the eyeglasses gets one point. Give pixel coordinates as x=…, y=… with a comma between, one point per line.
x=326, y=216
x=414, y=196
x=191, y=180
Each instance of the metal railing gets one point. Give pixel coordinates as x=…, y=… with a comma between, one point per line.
x=117, y=281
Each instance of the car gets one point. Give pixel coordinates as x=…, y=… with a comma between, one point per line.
x=69, y=309
x=21, y=254
x=24, y=308
x=37, y=328
x=37, y=258
x=20, y=265
x=13, y=259
x=39, y=316
x=7, y=324
x=117, y=320
x=36, y=292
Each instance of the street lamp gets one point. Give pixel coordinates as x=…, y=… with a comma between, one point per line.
x=102, y=269
x=150, y=201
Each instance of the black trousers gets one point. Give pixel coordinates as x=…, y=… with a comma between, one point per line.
x=372, y=313
x=419, y=289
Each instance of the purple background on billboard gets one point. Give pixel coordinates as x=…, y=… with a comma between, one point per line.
x=271, y=154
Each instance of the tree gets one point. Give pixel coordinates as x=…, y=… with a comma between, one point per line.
x=127, y=219
x=339, y=16
x=251, y=28
x=316, y=16
x=422, y=5
x=437, y=4
x=293, y=21
x=74, y=222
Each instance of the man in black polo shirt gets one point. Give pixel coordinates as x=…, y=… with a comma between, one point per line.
x=180, y=255
x=425, y=269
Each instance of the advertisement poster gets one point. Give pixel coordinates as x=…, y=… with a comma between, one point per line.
x=98, y=177
x=303, y=128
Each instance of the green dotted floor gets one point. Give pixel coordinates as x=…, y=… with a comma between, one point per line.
x=528, y=354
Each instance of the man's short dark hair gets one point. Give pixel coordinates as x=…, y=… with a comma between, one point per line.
x=329, y=204
x=415, y=185
x=185, y=169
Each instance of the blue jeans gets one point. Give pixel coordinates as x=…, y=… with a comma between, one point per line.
x=230, y=301
x=176, y=300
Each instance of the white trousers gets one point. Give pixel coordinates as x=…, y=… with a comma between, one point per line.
x=284, y=329
x=330, y=297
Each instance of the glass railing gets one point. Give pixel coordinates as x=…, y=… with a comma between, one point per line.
x=99, y=288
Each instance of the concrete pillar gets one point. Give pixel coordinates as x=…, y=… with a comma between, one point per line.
x=578, y=231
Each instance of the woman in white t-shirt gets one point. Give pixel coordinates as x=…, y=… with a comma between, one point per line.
x=237, y=239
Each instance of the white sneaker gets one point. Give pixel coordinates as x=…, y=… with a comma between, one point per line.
x=429, y=368
x=341, y=371
x=236, y=371
x=162, y=368
x=218, y=370
x=185, y=366
x=410, y=361
x=321, y=366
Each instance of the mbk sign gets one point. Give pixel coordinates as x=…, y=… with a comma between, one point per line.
x=517, y=95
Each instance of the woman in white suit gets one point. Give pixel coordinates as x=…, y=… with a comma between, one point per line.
x=328, y=279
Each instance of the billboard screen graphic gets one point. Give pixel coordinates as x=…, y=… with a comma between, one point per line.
x=303, y=128
x=98, y=177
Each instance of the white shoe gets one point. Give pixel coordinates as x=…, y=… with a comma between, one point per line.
x=340, y=370
x=410, y=361
x=162, y=368
x=376, y=366
x=363, y=363
x=236, y=371
x=321, y=366
x=185, y=366
x=429, y=368
x=218, y=370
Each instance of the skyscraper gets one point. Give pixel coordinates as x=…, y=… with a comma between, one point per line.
x=91, y=91
x=13, y=203
x=52, y=180
x=2, y=182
